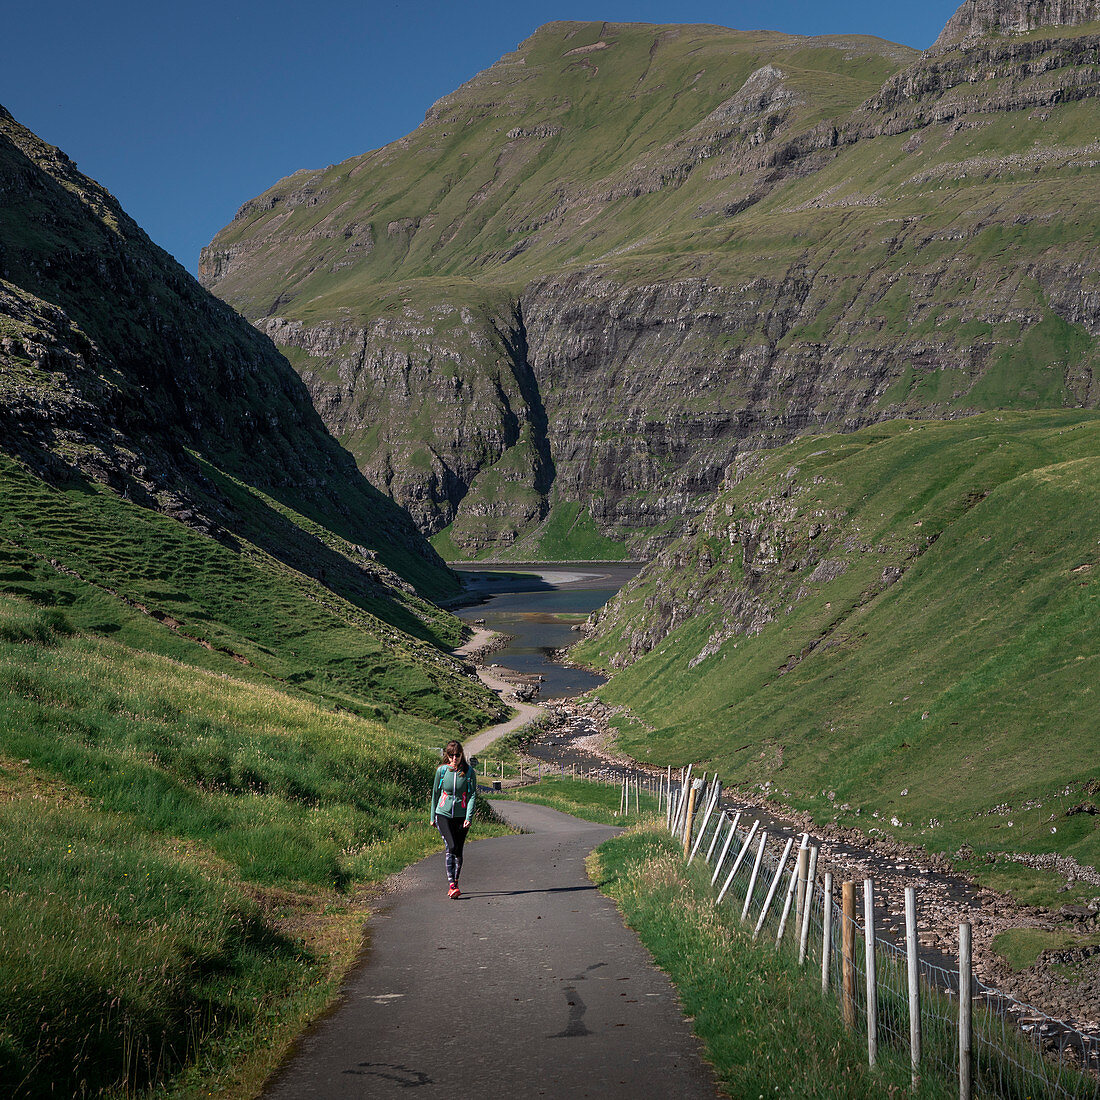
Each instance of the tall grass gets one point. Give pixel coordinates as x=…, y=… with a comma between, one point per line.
x=176, y=847
x=206, y=749
x=123, y=954
x=936, y=683
x=767, y=1030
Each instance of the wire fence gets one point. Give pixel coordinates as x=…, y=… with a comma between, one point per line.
x=952, y=1025
x=499, y=774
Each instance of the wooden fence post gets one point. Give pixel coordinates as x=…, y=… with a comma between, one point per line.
x=780, y=866
x=914, y=982
x=755, y=872
x=872, y=972
x=827, y=935
x=848, y=952
x=738, y=861
x=692, y=795
x=966, y=1007
x=715, y=794
x=725, y=848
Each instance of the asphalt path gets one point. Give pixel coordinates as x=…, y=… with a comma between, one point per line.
x=528, y=985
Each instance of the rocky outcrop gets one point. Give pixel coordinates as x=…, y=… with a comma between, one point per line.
x=961, y=82
x=985, y=18
x=807, y=235
x=780, y=554
x=463, y=373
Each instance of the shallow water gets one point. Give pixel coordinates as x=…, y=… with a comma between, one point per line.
x=527, y=603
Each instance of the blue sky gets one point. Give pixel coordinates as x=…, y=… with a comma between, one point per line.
x=185, y=110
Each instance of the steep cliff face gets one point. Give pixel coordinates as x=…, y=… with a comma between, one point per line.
x=625, y=255
x=982, y=18
x=116, y=366
x=438, y=401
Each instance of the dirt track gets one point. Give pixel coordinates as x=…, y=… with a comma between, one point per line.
x=526, y=712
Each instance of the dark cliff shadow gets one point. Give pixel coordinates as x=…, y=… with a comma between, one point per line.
x=514, y=340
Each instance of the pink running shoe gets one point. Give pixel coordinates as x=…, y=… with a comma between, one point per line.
x=453, y=891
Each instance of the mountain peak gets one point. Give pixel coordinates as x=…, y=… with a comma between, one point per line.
x=980, y=18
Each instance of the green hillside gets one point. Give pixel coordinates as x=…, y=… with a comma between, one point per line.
x=896, y=629
x=203, y=755
x=116, y=367
x=625, y=254
x=578, y=107
x=221, y=675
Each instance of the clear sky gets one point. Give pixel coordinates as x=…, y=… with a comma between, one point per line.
x=184, y=109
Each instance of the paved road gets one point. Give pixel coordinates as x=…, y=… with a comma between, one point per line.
x=527, y=986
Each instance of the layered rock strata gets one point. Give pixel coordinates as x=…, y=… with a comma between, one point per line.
x=779, y=235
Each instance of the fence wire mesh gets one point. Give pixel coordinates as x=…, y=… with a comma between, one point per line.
x=1017, y=1052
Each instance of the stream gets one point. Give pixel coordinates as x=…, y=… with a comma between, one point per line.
x=536, y=606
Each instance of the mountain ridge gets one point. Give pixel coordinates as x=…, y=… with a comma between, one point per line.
x=120, y=374
x=118, y=366
x=981, y=18
x=637, y=261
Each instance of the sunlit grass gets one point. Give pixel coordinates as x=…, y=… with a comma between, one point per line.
x=767, y=1027
x=936, y=685
x=591, y=801
x=175, y=847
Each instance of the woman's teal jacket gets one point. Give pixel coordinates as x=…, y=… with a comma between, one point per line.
x=453, y=793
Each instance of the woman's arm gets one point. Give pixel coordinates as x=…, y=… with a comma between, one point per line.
x=471, y=787
x=436, y=783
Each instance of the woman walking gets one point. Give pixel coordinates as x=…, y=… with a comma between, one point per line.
x=453, y=794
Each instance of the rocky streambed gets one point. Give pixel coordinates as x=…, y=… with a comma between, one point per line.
x=1063, y=984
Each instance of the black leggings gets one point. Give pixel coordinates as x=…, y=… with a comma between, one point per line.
x=454, y=837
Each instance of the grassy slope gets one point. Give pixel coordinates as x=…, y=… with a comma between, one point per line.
x=915, y=247
x=117, y=363
x=178, y=853
x=214, y=729
x=483, y=187
x=767, y=1028
x=959, y=699
x=960, y=202
x=265, y=621
x=203, y=753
